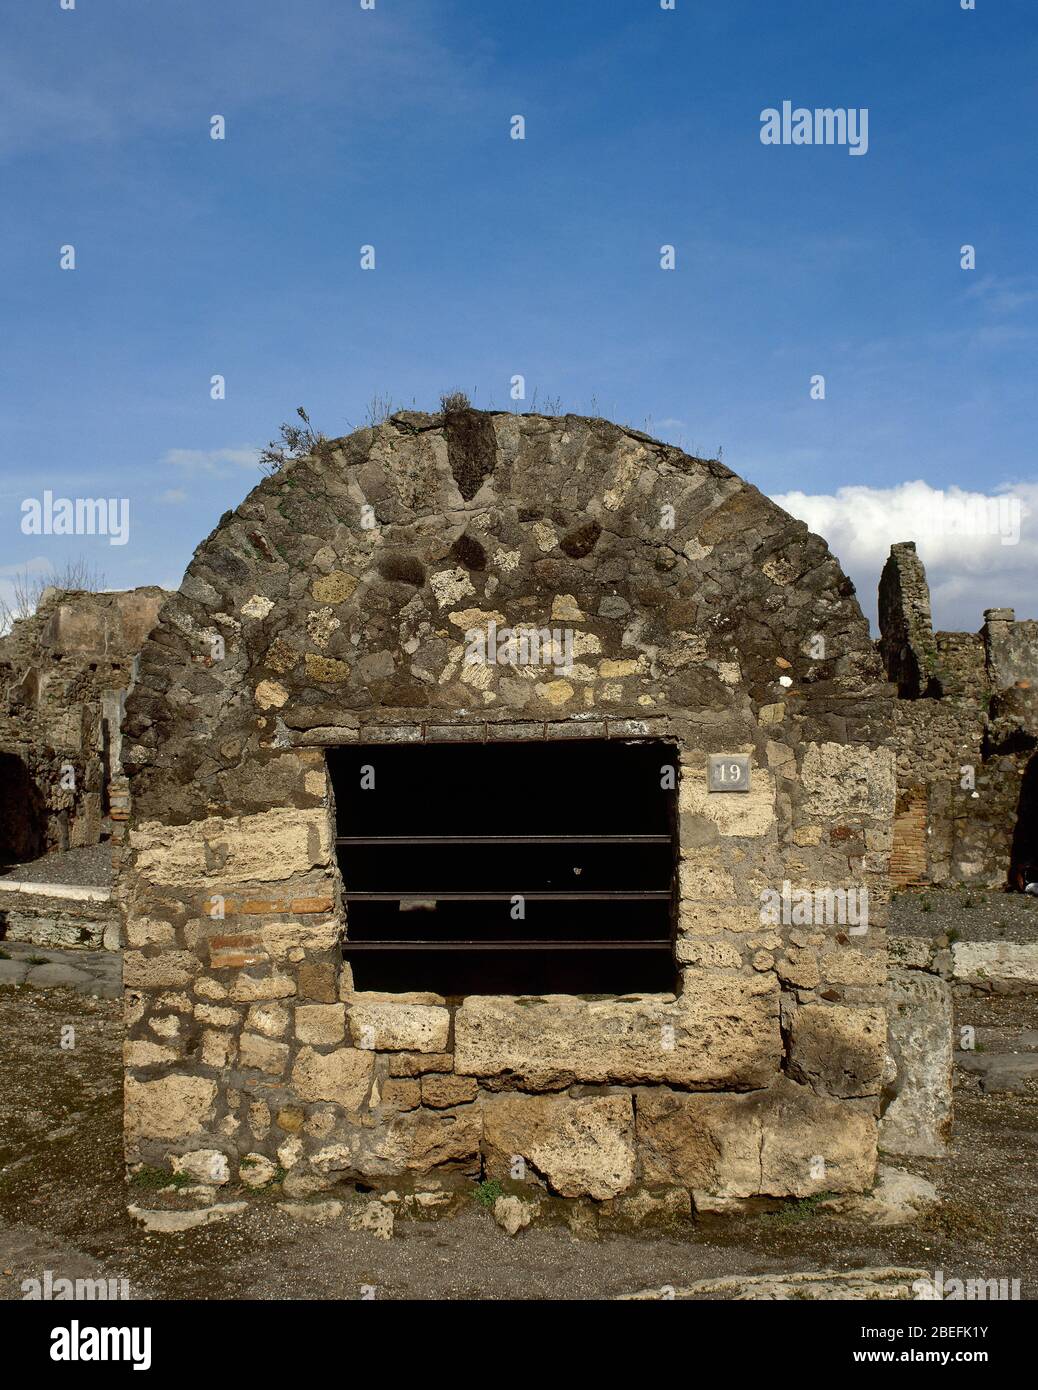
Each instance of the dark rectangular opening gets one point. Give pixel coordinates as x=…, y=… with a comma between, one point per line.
x=508, y=868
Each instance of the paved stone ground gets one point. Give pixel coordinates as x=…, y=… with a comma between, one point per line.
x=97, y=973
x=63, y=1199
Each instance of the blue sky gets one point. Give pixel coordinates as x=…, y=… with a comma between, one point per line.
x=240, y=257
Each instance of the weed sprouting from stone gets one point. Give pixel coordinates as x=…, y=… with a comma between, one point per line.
x=488, y=1192
x=380, y=408
x=148, y=1176
x=293, y=442
x=800, y=1210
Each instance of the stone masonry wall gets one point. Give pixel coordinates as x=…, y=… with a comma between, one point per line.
x=64, y=672
x=966, y=737
x=331, y=608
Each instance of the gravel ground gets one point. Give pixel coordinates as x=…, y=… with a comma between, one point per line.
x=89, y=868
x=964, y=914
x=62, y=1201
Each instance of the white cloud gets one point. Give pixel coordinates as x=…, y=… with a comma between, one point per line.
x=211, y=461
x=968, y=566
x=53, y=93
x=173, y=496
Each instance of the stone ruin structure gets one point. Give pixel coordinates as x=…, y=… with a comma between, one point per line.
x=64, y=673
x=462, y=764
x=966, y=729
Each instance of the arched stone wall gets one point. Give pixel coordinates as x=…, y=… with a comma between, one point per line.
x=332, y=608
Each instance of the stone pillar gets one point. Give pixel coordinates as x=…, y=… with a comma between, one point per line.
x=906, y=627
x=919, y=1011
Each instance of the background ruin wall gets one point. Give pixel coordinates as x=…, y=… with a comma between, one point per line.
x=64, y=672
x=966, y=730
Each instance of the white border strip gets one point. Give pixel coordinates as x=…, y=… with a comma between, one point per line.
x=72, y=891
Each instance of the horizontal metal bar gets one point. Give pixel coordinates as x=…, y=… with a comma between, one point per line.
x=349, y=947
x=502, y=839
x=620, y=895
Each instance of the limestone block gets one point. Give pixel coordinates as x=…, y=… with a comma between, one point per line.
x=172, y=1107
x=207, y=1166
x=171, y=969
x=218, y=1049
x=918, y=1120
x=270, y=1019
x=322, y=1024
x=582, y=1146
x=702, y=876
x=142, y=931
x=266, y=847
x=262, y=1054
x=719, y=955
x=722, y=1031
x=389, y=1027
x=716, y=915
x=839, y=1051
x=256, y=1170
x=403, y=1093
x=782, y=1142
x=1005, y=965
x=415, y=1141
x=247, y=988
x=841, y=779
x=343, y=1076
x=847, y=965
x=146, y=1054
x=441, y=1092
x=744, y=814
x=417, y=1063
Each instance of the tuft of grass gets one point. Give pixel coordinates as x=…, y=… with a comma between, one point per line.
x=953, y=936
x=37, y=960
x=487, y=1192
x=800, y=1210
x=293, y=442
x=451, y=401
x=151, y=1177
x=380, y=408
x=925, y=904
x=953, y=1218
